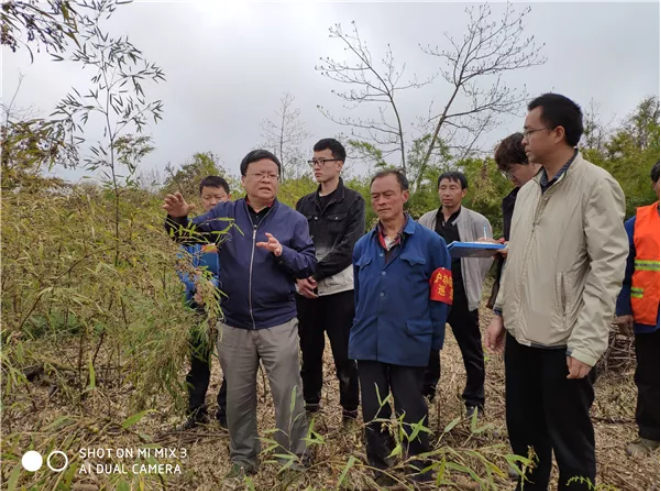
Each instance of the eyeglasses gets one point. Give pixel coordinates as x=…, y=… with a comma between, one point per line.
x=320, y=162
x=264, y=175
x=507, y=174
x=527, y=133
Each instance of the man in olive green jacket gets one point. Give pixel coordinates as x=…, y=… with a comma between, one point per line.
x=566, y=261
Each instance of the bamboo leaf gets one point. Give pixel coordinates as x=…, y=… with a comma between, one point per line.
x=132, y=420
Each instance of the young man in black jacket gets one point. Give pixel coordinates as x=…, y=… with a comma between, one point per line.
x=336, y=217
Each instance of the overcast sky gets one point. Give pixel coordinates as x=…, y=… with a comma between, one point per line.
x=228, y=64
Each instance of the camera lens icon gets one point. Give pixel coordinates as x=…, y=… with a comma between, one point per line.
x=57, y=469
x=33, y=460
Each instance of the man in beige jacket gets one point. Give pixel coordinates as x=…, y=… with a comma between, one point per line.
x=566, y=261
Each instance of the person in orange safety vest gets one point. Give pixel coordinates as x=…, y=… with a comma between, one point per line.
x=637, y=309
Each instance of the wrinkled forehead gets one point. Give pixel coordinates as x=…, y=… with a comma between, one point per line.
x=385, y=184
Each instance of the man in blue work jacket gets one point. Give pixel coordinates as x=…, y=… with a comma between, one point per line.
x=403, y=290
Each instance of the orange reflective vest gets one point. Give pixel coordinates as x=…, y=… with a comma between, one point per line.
x=645, y=280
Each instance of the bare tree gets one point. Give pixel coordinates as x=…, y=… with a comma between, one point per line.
x=285, y=134
x=489, y=48
x=595, y=132
x=370, y=83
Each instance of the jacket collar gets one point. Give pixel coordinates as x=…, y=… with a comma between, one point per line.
x=570, y=168
x=273, y=205
x=409, y=226
x=340, y=188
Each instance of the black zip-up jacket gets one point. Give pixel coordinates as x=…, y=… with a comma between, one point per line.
x=334, y=229
x=508, y=210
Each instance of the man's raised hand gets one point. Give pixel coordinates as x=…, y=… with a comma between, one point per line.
x=176, y=206
x=272, y=245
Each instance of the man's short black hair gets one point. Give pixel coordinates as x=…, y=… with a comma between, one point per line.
x=256, y=155
x=334, y=146
x=401, y=178
x=655, y=173
x=558, y=110
x=454, y=176
x=214, y=182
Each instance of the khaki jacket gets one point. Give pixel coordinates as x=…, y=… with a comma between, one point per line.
x=566, y=261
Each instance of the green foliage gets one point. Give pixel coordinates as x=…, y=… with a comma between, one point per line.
x=294, y=189
x=186, y=179
x=28, y=147
x=630, y=153
x=51, y=24
x=65, y=285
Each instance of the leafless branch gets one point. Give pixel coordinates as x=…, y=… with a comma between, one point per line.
x=489, y=48
x=285, y=134
x=370, y=82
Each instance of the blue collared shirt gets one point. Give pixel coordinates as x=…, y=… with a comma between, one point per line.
x=396, y=321
x=544, y=179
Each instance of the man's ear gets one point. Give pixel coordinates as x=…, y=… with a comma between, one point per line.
x=559, y=133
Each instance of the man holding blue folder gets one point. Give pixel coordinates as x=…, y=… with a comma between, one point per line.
x=456, y=223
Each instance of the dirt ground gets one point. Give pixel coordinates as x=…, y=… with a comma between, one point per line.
x=207, y=448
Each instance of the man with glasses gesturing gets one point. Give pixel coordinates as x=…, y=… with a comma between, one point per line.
x=260, y=265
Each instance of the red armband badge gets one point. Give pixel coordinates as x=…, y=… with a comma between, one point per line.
x=440, y=286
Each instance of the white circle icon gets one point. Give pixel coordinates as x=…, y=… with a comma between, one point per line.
x=57, y=469
x=32, y=461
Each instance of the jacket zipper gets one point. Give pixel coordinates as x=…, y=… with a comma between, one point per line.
x=540, y=207
x=252, y=259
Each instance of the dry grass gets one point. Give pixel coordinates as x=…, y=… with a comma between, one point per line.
x=96, y=425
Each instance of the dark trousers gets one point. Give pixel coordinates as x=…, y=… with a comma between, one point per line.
x=334, y=315
x=406, y=386
x=550, y=413
x=465, y=326
x=197, y=380
x=647, y=380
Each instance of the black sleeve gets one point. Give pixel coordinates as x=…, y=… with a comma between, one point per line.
x=205, y=228
x=176, y=228
x=340, y=256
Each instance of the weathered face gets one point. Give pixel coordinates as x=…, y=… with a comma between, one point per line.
x=450, y=193
x=261, y=180
x=212, y=196
x=388, y=198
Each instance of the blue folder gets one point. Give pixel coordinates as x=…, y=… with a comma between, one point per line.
x=474, y=249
